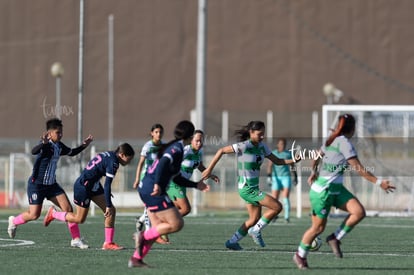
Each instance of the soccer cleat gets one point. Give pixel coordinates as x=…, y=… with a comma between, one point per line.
x=11, y=229
x=79, y=243
x=302, y=263
x=111, y=246
x=233, y=246
x=49, y=216
x=134, y=262
x=335, y=245
x=163, y=239
x=257, y=237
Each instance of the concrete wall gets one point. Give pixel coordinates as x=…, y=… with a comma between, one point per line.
x=261, y=55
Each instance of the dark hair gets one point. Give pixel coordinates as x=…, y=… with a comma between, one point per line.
x=183, y=130
x=346, y=124
x=157, y=126
x=282, y=139
x=198, y=131
x=53, y=123
x=126, y=149
x=244, y=133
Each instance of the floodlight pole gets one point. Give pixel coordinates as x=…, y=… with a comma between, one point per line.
x=201, y=64
x=110, y=81
x=80, y=74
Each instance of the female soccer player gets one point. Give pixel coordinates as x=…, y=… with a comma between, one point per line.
x=164, y=216
x=327, y=189
x=251, y=152
x=88, y=187
x=148, y=155
x=193, y=159
x=42, y=183
x=280, y=176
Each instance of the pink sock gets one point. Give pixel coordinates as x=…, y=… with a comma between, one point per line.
x=145, y=250
x=136, y=255
x=19, y=220
x=61, y=216
x=74, y=230
x=109, y=234
x=151, y=234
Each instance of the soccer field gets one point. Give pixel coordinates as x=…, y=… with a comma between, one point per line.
x=376, y=246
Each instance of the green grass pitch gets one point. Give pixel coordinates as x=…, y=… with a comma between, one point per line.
x=376, y=246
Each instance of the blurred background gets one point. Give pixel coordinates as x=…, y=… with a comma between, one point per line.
x=113, y=68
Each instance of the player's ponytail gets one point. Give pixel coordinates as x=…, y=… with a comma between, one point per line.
x=346, y=124
x=244, y=132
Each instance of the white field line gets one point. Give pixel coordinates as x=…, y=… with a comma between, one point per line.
x=14, y=242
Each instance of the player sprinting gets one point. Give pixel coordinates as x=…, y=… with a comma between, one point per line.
x=42, y=183
x=251, y=152
x=88, y=188
x=192, y=159
x=164, y=216
x=148, y=155
x=280, y=177
x=327, y=190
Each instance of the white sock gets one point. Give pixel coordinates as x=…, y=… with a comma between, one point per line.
x=260, y=225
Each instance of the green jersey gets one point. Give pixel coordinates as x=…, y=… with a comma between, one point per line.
x=191, y=161
x=333, y=165
x=249, y=159
x=149, y=151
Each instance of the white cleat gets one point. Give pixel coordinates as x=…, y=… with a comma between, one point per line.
x=11, y=230
x=79, y=243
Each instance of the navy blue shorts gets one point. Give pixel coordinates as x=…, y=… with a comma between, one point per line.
x=156, y=203
x=37, y=193
x=82, y=194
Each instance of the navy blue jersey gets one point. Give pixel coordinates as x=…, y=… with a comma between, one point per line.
x=104, y=164
x=47, y=157
x=165, y=169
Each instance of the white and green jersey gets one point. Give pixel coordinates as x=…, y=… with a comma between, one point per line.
x=149, y=151
x=333, y=165
x=191, y=161
x=249, y=159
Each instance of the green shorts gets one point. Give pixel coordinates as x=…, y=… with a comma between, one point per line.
x=176, y=191
x=251, y=195
x=322, y=202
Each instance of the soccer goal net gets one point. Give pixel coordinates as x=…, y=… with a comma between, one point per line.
x=383, y=139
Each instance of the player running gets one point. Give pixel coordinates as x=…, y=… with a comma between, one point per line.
x=164, y=216
x=327, y=189
x=88, y=188
x=148, y=155
x=250, y=152
x=193, y=159
x=42, y=183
